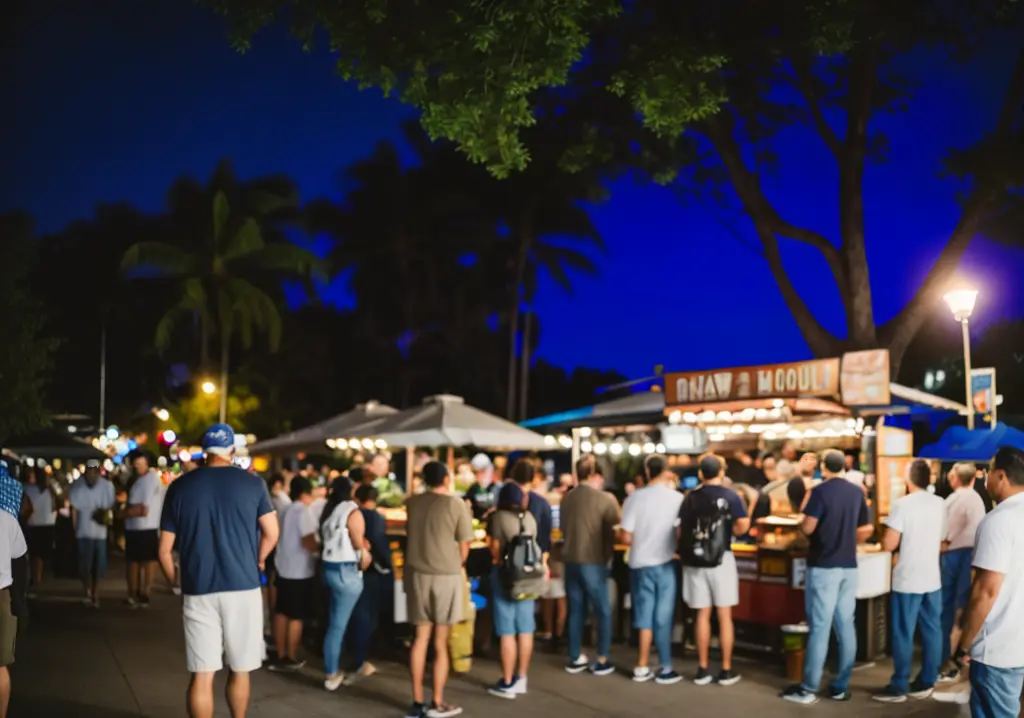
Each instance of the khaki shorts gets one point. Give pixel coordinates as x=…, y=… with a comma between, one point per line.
x=224, y=627
x=8, y=629
x=434, y=599
x=717, y=587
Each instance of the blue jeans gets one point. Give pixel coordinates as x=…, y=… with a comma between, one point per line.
x=366, y=615
x=511, y=617
x=830, y=598
x=345, y=584
x=653, y=589
x=995, y=692
x=956, y=589
x=588, y=583
x=92, y=559
x=909, y=612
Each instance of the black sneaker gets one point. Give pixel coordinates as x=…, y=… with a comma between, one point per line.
x=727, y=678
x=578, y=664
x=443, y=711
x=889, y=695
x=703, y=677
x=501, y=689
x=666, y=677
x=286, y=665
x=919, y=691
x=143, y=601
x=417, y=710
x=837, y=695
x=602, y=668
x=799, y=694
x=949, y=676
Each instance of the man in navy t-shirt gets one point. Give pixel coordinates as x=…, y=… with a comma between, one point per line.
x=836, y=520
x=223, y=525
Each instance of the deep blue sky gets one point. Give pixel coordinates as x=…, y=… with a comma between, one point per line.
x=111, y=103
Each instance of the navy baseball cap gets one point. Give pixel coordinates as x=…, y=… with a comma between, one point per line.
x=219, y=440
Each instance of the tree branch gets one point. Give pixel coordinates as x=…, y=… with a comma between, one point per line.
x=804, y=80
x=747, y=185
x=769, y=226
x=898, y=332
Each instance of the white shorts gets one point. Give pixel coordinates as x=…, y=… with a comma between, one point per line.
x=555, y=588
x=717, y=587
x=224, y=628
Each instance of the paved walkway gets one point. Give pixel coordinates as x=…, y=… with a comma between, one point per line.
x=77, y=662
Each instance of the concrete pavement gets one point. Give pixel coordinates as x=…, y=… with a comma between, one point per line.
x=78, y=662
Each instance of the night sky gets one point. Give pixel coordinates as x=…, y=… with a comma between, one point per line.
x=112, y=103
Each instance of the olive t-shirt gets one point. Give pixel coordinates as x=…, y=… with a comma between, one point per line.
x=437, y=524
x=588, y=519
x=504, y=525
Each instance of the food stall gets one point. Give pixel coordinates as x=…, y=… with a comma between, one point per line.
x=823, y=403
x=440, y=421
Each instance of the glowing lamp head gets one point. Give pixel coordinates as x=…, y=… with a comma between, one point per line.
x=961, y=302
x=209, y=387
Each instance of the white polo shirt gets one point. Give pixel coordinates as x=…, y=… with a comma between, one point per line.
x=999, y=548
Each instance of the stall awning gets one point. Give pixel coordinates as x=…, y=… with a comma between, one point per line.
x=646, y=407
x=961, y=444
x=313, y=437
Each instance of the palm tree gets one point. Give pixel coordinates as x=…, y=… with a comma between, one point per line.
x=225, y=249
x=548, y=230
x=399, y=231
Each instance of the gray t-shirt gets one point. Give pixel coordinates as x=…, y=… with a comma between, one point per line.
x=651, y=514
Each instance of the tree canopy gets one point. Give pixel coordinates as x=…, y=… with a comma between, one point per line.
x=25, y=350
x=696, y=94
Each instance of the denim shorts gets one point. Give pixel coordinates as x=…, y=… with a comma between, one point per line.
x=512, y=618
x=652, y=587
x=92, y=558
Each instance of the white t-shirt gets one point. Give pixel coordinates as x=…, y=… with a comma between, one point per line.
x=293, y=560
x=42, y=506
x=12, y=545
x=999, y=548
x=317, y=508
x=920, y=518
x=964, y=511
x=651, y=514
x=146, y=490
x=280, y=501
x=85, y=500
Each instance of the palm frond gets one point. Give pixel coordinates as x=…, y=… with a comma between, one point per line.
x=290, y=259
x=166, y=259
x=246, y=241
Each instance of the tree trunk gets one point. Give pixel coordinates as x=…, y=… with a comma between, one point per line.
x=225, y=349
x=524, y=381
x=517, y=292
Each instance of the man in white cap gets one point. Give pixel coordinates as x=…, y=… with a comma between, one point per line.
x=482, y=496
x=92, y=501
x=224, y=525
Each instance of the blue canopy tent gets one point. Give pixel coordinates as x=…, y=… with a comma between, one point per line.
x=961, y=444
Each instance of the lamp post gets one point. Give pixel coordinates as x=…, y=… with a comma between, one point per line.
x=961, y=303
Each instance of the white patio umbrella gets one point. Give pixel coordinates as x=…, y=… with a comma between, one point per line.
x=315, y=435
x=446, y=420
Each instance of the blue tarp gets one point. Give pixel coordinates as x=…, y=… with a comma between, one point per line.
x=961, y=444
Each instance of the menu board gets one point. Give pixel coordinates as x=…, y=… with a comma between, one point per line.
x=864, y=378
x=890, y=481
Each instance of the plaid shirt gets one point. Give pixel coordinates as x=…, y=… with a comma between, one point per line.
x=10, y=492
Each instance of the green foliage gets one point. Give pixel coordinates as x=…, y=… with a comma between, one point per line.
x=25, y=351
x=191, y=416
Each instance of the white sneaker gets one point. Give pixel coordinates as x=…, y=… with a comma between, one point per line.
x=642, y=674
x=333, y=683
x=519, y=686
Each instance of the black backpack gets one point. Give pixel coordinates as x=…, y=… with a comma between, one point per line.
x=522, y=566
x=707, y=533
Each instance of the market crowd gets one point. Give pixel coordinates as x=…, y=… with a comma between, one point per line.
x=321, y=538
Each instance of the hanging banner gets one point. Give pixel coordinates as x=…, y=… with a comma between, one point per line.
x=815, y=378
x=983, y=394
x=865, y=378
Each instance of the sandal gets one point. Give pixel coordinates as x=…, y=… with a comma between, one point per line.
x=441, y=710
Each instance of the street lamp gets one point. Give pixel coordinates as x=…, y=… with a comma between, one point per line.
x=209, y=387
x=961, y=303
